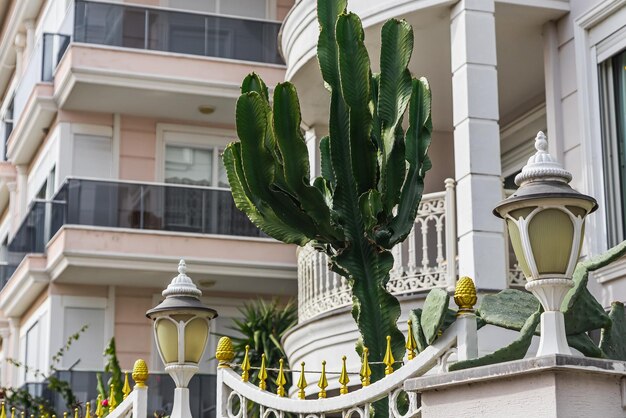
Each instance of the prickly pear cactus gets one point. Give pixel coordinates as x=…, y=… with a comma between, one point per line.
x=366, y=200
x=613, y=339
x=434, y=313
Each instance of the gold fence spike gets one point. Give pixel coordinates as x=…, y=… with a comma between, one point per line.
x=343, y=378
x=323, y=382
x=112, y=401
x=366, y=371
x=126, y=388
x=263, y=373
x=88, y=410
x=245, y=366
x=281, y=381
x=64, y=414
x=388, y=360
x=99, y=407
x=140, y=374
x=301, y=382
x=76, y=413
x=411, y=344
x=13, y=412
x=224, y=352
x=3, y=412
x=23, y=414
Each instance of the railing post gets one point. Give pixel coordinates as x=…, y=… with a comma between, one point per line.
x=140, y=403
x=451, y=237
x=467, y=337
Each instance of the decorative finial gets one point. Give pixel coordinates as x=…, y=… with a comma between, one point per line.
x=301, y=383
x=343, y=378
x=182, y=285
x=366, y=371
x=65, y=414
x=140, y=373
x=3, y=413
x=263, y=373
x=281, y=381
x=225, y=352
x=126, y=388
x=99, y=407
x=88, y=410
x=13, y=412
x=245, y=366
x=323, y=382
x=411, y=344
x=542, y=166
x=465, y=295
x=75, y=413
x=388, y=360
x=112, y=399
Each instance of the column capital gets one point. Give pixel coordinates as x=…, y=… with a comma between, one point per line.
x=20, y=41
x=486, y=6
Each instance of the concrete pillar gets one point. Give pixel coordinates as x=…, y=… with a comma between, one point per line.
x=22, y=185
x=13, y=351
x=477, y=143
x=30, y=26
x=4, y=334
x=20, y=44
x=14, y=221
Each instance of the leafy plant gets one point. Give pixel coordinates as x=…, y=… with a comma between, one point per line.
x=262, y=326
x=366, y=200
x=23, y=401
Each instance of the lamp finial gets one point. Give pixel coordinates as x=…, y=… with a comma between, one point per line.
x=182, y=285
x=542, y=166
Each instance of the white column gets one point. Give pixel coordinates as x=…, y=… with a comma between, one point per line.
x=312, y=144
x=20, y=44
x=13, y=215
x=22, y=185
x=4, y=334
x=477, y=143
x=14, y=350
x=30, y=26
x=552, y=72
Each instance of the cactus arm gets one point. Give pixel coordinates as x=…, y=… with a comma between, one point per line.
x=327, y=13
x=326, y=166
x=612, y=339
x=253, y=82
x=259, y=164
x=262, y=216
x=354, y=73
x=375, y=132
x=585, y=345
x=394, y=93
x=417, y=142
x=295, y=158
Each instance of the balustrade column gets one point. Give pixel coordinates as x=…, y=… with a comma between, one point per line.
x=477, y=143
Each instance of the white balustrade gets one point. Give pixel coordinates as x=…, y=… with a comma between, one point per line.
x=236, y=398
x=135, y=405
x=425, y=260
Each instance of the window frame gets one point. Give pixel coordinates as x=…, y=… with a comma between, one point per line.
x=214, y=139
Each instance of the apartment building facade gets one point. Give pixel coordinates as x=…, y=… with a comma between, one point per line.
x=500, y=71
x=114, y=115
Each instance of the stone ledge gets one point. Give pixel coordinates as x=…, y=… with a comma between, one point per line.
x=515, y=368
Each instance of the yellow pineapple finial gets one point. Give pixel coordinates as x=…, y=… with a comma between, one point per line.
x=3, y=412
x=323, y=382
x=126, y=388
x=245, y=366
x=88, y=410
x=140, y=373
x=465, y=295
x=99, y=407
x=263, y=373
x=388, y=360
x=281, y=381
x=301, y=383
x=366, y=371
x=411, y=344
x=112, y=400
x=343, y=378
x=225, y=352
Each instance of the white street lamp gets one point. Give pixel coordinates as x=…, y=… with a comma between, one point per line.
x=546, y=222
x=181, y=330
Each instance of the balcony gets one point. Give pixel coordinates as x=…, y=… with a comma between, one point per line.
x=425, y=260
x=130, y=234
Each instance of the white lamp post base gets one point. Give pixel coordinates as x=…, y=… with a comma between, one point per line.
x=551, y=293
x=181, y=408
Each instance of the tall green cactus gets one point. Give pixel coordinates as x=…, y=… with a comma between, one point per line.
x=367, y=197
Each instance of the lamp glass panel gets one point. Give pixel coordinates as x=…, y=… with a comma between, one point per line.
x=167, y=339
x=551, y=233
x=516, y=242
x=196, y=336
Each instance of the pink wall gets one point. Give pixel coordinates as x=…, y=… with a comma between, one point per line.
x=137, y=148
x=282, y=8
x=133, y=331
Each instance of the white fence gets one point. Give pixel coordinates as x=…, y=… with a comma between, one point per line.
x=425, y=260
x=235, y=397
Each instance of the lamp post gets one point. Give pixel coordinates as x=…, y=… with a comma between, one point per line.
x=181, y=330
x=546, y=223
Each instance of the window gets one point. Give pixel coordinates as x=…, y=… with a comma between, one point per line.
x=86, y=352
x=613, y=110
x=245, y=8
x=32, y=350
x=92, y=156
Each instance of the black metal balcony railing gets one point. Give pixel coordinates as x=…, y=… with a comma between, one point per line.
x=174, y=31
x=116, y=204
x=160, y=392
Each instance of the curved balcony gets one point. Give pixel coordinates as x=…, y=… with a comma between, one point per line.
x=425, y=260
